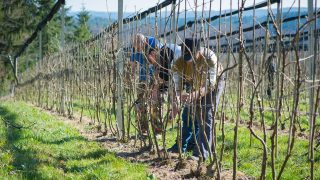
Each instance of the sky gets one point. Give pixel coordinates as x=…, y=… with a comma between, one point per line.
x=138, y=5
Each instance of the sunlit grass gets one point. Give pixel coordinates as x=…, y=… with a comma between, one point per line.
x=50, y=149
x=90, y=161
x=250, y=156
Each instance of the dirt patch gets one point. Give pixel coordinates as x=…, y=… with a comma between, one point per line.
x=228, y=175
x=3, y=98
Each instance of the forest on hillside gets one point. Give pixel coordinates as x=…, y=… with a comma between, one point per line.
x=19, y=19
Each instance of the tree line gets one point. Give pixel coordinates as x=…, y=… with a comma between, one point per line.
x=18, y=20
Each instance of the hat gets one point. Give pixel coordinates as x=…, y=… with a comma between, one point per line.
x=191, y=46
x=187, y=57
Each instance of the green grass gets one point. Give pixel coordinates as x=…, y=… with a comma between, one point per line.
x=250, y=157
x=59, y=151
x=50, y=149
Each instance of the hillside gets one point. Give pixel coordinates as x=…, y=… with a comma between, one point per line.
x=100, y=20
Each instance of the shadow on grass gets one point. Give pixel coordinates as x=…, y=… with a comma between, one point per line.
x=24, y=156
x=134, y=153
x=23, y=160
x=124, y=154
x=63, y=140
x=79, y=168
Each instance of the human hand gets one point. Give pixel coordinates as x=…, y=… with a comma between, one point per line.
x=184, y=98
x=174, y=111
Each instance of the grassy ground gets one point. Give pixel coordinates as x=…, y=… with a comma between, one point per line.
x=50, y=149
x=250, y=156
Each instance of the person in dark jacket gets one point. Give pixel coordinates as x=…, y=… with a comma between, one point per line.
x=199, y=67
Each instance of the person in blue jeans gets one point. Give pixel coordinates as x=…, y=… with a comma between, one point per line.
x=199, y=68
x=187, y=141
x=144, y=53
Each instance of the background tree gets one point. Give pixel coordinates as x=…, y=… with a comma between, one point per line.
x=18, y=20
x=82, y=31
